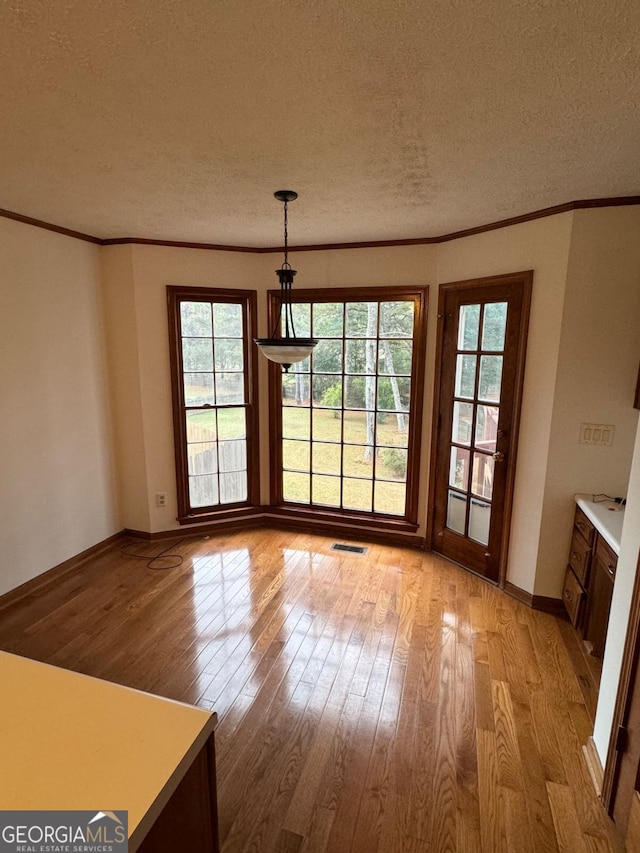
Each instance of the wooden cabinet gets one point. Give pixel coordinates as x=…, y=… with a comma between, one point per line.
x=576, y=578
x=588, y=583
x=603, y=573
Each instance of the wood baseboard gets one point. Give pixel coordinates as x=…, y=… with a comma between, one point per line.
x=594, y=764
x=536, y=602
x=51, y=576
x=209, y=529
x=350, y=532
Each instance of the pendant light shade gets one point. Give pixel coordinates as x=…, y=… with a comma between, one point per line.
x=285, y=349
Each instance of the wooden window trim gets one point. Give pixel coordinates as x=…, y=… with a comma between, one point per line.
x=409, y=522
x=248, y=300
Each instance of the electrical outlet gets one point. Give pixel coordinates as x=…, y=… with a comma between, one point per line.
x=161, y=498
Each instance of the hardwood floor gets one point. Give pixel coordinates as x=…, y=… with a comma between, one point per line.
x=389, y=702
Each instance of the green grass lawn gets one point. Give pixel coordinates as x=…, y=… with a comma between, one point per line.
x=300, y=443
x=322, y=486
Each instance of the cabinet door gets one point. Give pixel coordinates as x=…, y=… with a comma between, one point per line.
x=600, y=593
x=584, y=526
x=573, y=596
x=580, y=557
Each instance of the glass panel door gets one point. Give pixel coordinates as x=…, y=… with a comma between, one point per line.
x=476, y=412
x=482, y=343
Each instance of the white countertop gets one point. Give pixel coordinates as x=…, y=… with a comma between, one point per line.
x=606, y=516
x=68, y=741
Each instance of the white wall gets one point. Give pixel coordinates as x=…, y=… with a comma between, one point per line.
x=596, y=377
x=620, y=606
x=121, y=332
x=135, y=279
x=57, y=483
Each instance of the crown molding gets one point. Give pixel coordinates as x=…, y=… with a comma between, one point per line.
x=49, y=226
x=580, y=204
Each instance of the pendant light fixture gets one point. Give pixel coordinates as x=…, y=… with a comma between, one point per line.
x=285, y=349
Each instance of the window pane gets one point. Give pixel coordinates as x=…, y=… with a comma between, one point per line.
x=326, y=425
x=209, y=351
x=202, y=458
x=296, y=487
x=490, y=378
x=325, y=490
x=395, y=357
x=388, y=432
x=231, y=423
x=396, y=319
x=201, y=426
x=327, y=357
x=468, y=326
x=487, y=427
x=391, y=464
x=357, y=494
x=327, y=320
x=359, y=427
x=296, y=423
x=357, y=460
x=295, y=455
x=233, y=487
x=495, y=324
x=390, y=498
x=362, y=320
x=482, y=480
x=465, y=376
x=228, y=355
x=295, y=389
x=229, y=389
x=479, y=520
x=198, y=389
x=232, y=455
x=459, y=468
x=456, y=512
x=195, y=319
x=393, y=394
x=327, y=391
x=326, y=458
x=203, y=491
x=356, y=357
x=361, y=392
x=197, y=354
x=227, y=320
x=462, y=420
x=302, y=319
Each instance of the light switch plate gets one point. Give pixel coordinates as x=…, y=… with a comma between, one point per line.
x=599, y=434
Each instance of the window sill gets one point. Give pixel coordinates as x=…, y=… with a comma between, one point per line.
x=364, y=522
x=222, y=515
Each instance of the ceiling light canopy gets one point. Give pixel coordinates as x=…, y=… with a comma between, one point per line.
x=285, y=349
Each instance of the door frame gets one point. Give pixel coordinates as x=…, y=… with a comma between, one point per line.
x=629, y=672
x=525, y=280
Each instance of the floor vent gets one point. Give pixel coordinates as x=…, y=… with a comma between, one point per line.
x=352, y=549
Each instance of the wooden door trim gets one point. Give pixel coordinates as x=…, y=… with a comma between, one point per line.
x=630, y=661
x=525, y=279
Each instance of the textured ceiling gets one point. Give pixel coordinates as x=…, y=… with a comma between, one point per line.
x=177, y=119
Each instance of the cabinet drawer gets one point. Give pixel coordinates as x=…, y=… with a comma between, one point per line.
x=582, y=523
x=607, y=557
x=580, y=557
x=573, y=596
